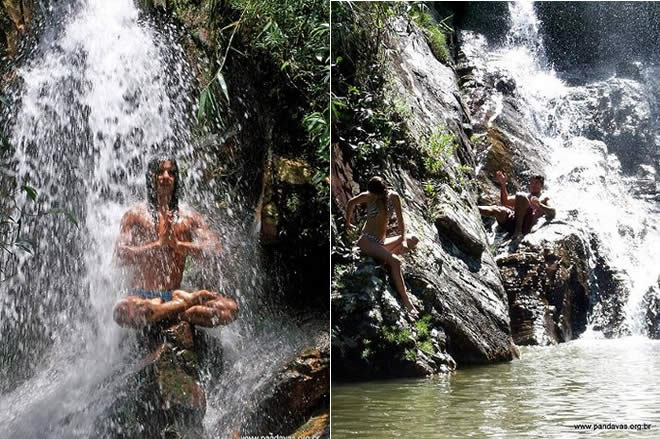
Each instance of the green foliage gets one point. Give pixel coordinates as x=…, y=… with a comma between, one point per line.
x=441, y=147
x=430, y=190
x=438, y=43
x=476, y=138
x=317, y=125
x=424, y=343
x=395, y=336
x=411, y=355
x=14, y=208
x=423, y=327
x=436, y=33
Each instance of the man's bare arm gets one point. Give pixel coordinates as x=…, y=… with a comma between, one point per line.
x=205, y=239
x=139, y=313
x=125, y=248
x=548, y=211
x=505, y=199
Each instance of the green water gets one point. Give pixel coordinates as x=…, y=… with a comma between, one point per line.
x=544, y=394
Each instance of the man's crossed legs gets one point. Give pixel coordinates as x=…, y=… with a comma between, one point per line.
x=201, y=308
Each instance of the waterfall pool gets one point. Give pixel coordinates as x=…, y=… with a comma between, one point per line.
x=589, y=387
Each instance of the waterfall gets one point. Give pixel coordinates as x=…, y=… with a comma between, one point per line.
x=103, y=93
x=592, y=183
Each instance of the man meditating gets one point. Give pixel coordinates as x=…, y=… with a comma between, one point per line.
x=155, y=239
x=518, y=214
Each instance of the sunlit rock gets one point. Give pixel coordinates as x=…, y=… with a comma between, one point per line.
x=297, y=399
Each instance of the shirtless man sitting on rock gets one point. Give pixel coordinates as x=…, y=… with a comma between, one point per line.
x=518, y=214
x=155, y=239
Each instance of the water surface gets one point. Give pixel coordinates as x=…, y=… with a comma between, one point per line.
x=546, y=393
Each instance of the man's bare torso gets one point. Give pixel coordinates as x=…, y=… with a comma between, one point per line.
x=161, y=268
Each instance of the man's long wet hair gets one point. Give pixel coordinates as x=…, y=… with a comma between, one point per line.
x=152, y=170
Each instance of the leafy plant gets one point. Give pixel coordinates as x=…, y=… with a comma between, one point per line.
x=436, y=33
x=441, y=147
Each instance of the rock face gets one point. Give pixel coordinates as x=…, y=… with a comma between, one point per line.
x=452, y=276
x=163, y=397
x=547, y=283
x=651, y=303
x=298, y=400
x=371, y=334
x=619, y=114
x=477, y=299
x=500, y=118
x=16, y=18
x=576, y=39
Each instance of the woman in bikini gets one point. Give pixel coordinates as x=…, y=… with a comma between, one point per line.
x=381, y=202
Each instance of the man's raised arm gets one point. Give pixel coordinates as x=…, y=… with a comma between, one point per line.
x=505, y=200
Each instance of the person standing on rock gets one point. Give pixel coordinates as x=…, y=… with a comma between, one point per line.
x=373, y=241
x=518, y=214
x=154, y=241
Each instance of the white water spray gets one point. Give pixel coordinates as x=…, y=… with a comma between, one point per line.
x=584, y=180
x=95, y=104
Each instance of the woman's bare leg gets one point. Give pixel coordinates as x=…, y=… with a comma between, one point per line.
x=380, y=253
x=394, y=244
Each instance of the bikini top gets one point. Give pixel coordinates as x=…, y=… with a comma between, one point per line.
x=372, y=207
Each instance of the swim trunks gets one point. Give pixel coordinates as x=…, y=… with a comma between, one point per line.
x=166, y=295
x=528, y=221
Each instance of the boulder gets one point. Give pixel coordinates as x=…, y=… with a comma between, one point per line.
x=163, y=396
x=298, y=399
x=318, y=426
x=372, y=336
x=547, y=282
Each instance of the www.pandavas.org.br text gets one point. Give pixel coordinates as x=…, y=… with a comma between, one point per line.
x=613, y=426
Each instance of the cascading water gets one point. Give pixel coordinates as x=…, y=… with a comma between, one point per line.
x=96, y=103
x=585, y=180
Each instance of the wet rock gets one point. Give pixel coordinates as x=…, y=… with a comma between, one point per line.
x=618, y=113
x=651, y=303
x=452, y=278
x=608, y=296
x=317, y=426
x=163, y=397
x=498, y=113
x=505, y=85
x=547, y=281
x=298, y=399
x=16, y=17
